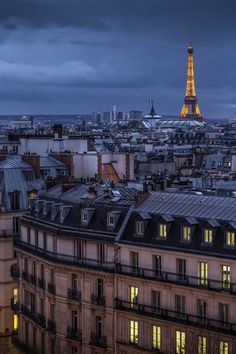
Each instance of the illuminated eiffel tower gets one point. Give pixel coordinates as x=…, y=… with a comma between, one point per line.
x=190, y=107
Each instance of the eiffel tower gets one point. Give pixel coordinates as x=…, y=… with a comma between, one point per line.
x=190, y=107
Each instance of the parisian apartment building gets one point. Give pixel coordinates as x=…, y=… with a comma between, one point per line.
x=107, y=270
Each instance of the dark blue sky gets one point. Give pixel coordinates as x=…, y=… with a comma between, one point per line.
x=79, y=56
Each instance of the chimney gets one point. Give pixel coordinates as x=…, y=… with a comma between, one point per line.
x=34, y=161
x=67, y=159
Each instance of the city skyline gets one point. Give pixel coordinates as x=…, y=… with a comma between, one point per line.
x=88, y=56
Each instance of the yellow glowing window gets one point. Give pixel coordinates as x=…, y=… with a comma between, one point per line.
x=15, y=322
x=225, y=274
x=15, y=295
x=180, y=344
x=162, y=230
x=186, y=233
x=133, y=332
x=207, y=236
x=156, y=337
x=224, y=347
x=133, y=295
x=202, y=345
x=203, y=273
x=230, y=238
x=32, y=194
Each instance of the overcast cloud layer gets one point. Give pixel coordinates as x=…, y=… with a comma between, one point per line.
x=79, y=56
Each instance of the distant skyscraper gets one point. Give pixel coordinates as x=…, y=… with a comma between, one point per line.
x=135, y=115
x=190, y=107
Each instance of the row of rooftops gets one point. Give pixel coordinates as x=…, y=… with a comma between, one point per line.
x=91, y=218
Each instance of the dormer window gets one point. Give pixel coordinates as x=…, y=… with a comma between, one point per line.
x=139, y=228
x=230, y=239
x=110, y=220
x=186, y=233
x=84, y=217
x=208, y=236
x=162, y=231
x=15, y=200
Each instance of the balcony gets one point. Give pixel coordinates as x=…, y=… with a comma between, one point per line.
x=15, y=271
x=22, y=346
x=74, y=333
x=51, y=288
x=74, y=294
x=63, y=258
x=41, y=283
x=25, y=275
x=29, y=312
x=41, y=320
x=175, y=316
x=176, y=278
x=51, y=326
x=33, y=279
x=98, y=300
x=98, y=341
x=138, y=346
x=15, y=306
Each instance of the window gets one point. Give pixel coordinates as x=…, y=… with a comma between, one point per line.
x=42, y=307
x=181, y=268
x=202, y=345
x=34, y=338
x=224, y=347
x=15, y=200
x=28, y=235
x=52, y=312
x=186, y=233
x=110, y=220
x=74, y=320
x=155, y=300
x=207, y=236
x=230, y=239
x=180, y=340
x=15, y=295
x=133, y=296
x=180, y=305
x=44, y=240
x=134, y=261
x=74, y=282
x=36, y=233
x=133, y=332
x=84, y=217
x=101, y=252
x=140, y=228
x=100, y=288
x=157, y=265
x=78, y=249
x=15, y=322
x=225, y=276
x=224, y=314
x=98, y=326
x=16, y=224
x=162, y=230
x=202, y=273
x=42, y=271
x=201, y=309
x=156, y=337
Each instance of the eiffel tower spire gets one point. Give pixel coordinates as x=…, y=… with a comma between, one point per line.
x=190, y=107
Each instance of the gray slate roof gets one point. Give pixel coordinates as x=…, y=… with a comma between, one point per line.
x=190, y=205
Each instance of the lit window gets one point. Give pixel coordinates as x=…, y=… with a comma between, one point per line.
x=180, y=342
x=207, y=236
x=133, y=295
x=202, y=273
x=133, y=332
x=230, y=239
x=202, y=345
x=140, y=228
x=156, y=337
x=15, y=295
x=225, y=275
x=224, y=347
x=186, y=233
x=162, y=230
x=15, y=322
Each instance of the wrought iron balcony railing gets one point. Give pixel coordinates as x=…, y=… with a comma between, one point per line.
x=51, y=288
x=41, y=320
x=25, y=348
x=99, y=341
x=74, y=333
x=32, y=279
x=98, y=300
x=179, y=317
x=177, y=278
x=15, y=271
x=41, y=283
x=74, y=294
x=51, y=326
x=15, y=305
x=28, y=311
